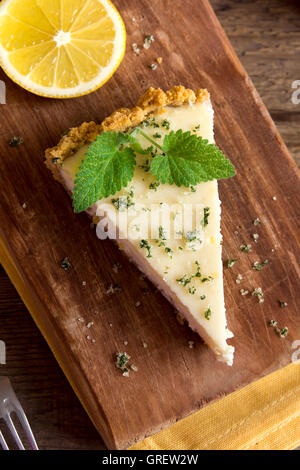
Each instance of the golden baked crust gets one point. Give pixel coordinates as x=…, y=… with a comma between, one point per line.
x=121, y=120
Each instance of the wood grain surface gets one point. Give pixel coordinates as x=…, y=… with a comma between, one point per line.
x=262, y=33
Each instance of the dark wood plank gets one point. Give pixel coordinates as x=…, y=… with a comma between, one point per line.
x=254, y=340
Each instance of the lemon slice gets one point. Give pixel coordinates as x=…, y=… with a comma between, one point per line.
x=60, y=48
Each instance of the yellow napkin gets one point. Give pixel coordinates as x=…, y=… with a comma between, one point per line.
x=263, y=415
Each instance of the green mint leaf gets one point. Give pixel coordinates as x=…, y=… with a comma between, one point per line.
x=189, y=160
x=137, y=148
x=107, y=167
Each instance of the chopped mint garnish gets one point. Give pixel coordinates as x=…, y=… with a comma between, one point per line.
x=161, y=235
x=191, y=236
x=150, y=123
x=145, y=244
x=231, y=262
x=207, y=313
x=184, y=280
x=204, y=222
x=207, y=279
x=122, y=362
x=259, y=266
x=282, y=304
x=169, y=251
x=161, y=232
x=283, y=333
x=145, y=166
x=16, y=141
x=166, y=124
x=122, y=203
x=154, y=185
x=246, y=248
x=65, y=264
x=148, y=40
x=198, y=273
x=257, y=292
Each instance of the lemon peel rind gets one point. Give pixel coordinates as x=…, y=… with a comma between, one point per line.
x=83, y=88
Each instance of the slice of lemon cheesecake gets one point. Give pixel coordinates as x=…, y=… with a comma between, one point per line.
x=138, y=172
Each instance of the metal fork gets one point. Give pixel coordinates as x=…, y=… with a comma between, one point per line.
x=8, y=404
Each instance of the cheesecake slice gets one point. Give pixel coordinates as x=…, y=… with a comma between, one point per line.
x=172, y=233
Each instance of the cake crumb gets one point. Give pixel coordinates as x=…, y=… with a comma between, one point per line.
x=148, y=41
x=135, y=48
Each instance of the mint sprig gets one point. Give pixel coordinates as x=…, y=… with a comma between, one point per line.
x=108, y=166
x=189, y=160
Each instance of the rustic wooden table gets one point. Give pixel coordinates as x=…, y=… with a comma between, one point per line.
x=266, y=36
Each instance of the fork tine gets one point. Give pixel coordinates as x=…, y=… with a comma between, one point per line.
x=3, y=442
x=13, y=431
x=26, y=426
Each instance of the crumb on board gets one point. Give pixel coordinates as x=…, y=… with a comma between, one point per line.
x=282, y=332
x=135, y=48
x=257, y=292
x=122, y=359
x=244, y=292
x=148, y=40
x=112, y=289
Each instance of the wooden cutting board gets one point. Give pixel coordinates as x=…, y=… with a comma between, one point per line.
x=172, y=380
